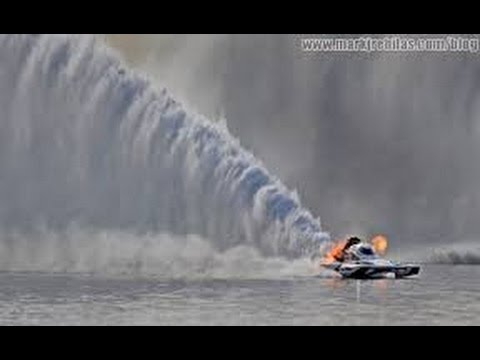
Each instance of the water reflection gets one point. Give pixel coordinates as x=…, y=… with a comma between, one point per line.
x=380, y=287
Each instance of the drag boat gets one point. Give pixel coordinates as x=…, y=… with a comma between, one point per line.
x=360, y=260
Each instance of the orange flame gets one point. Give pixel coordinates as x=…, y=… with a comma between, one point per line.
x=380, y=244
x=335, y=253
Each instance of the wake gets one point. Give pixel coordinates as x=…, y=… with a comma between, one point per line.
x=121, y=253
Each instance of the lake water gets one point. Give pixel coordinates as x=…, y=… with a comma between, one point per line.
x=441, y=295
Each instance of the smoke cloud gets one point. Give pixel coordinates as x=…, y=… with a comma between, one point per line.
x=381, y=142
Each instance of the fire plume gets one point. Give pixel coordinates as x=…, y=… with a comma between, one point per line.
x=335, y=252
x=380, y=244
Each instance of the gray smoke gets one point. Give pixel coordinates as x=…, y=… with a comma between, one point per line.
x=384, y=142
x=466, y=253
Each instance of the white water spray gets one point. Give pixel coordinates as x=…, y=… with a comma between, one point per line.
x=85, y=141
